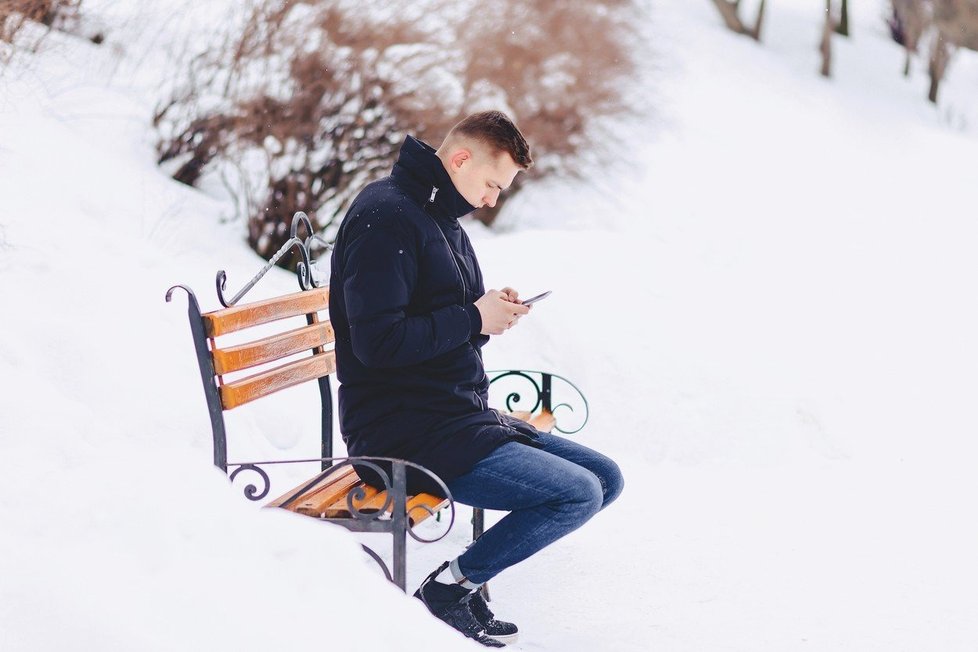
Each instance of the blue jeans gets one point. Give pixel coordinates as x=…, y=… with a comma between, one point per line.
x=548, y=492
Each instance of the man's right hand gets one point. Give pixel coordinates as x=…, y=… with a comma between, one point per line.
x=498, y=312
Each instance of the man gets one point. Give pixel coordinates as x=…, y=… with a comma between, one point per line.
x=411, y=315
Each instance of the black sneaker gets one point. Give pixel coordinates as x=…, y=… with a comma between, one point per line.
x=450, y=603
x=498, y=629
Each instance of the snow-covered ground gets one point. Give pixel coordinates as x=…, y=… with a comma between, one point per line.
x=771, y=314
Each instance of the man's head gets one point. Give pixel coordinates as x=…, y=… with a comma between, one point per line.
x=482, y=154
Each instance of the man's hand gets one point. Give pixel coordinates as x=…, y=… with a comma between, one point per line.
x=500, y=310
x=511, y=295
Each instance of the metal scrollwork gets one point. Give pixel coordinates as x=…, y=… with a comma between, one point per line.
x=358, y=493
x=515, y=397
x=306, y=282
x=451, y=508
x=304, y=268
x=549, y=387
x=251, y=491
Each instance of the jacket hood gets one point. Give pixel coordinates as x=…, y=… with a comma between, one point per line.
x=423, y=176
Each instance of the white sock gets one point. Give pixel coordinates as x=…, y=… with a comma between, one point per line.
x=457, y=576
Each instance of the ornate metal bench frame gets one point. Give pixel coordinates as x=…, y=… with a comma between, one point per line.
x=399, y=524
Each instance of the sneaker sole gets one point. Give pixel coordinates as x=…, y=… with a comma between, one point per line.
x=505, y=639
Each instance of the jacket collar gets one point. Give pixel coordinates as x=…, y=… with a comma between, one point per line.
x=422, y=175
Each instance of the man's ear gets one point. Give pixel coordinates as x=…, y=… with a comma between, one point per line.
x=460, y=157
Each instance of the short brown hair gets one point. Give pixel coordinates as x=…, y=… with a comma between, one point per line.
x=495, y=129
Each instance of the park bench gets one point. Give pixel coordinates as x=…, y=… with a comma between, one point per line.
x=242, y=372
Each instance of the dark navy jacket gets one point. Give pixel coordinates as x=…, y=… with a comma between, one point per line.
x=403, y=283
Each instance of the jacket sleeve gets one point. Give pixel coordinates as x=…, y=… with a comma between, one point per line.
x=380, y=274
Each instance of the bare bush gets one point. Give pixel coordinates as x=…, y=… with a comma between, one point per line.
x=555, y=66
x=56, y=14
x=298, y=111
x=307, y=102
x=947, y=24
x=958, y=21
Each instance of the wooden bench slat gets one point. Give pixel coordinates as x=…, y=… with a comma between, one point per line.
x=315, y=504
x=229, y=320
x=416, y=511
x=293, y=373
x=369, y=503
x=328, y=499
x=373, y=500
x=275, y=347
x=323, y=483
x=544, y=421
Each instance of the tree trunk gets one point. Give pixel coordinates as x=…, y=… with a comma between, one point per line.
x=843, y=27
x=940, y=54
x=728, y=11
x=755, y=33
x=826, y=45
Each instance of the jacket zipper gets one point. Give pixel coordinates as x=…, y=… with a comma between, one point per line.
x=461, y=278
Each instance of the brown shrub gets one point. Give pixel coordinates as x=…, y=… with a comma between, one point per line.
x=14, y=14
x=306, y=102
x=958, y=21
x=946, y=24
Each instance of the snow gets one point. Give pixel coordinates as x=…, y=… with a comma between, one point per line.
x=769, y=310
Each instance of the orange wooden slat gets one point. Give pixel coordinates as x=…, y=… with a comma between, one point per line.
x=544, y=422
x=315, y=504
x=292, y=373
x=229, y=320
x=415, y=507
x=322, y=485
x=327, y=499
x=275, y=347
x=374, y=500
x=339, y=508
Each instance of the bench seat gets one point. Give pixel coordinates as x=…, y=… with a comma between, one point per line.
x=326, y=496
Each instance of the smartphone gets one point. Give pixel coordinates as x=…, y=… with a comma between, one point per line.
x=532, y=300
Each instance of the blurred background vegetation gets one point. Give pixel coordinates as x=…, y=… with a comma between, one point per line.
x=297, y=104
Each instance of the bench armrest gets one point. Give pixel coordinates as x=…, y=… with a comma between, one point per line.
x=534, y=392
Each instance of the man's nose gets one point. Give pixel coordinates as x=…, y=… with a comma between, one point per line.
x=490, y=199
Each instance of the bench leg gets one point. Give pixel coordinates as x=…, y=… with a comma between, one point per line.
x=399, y=526
x=380, y=562
x=400, y=559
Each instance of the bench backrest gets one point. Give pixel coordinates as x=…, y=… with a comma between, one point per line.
x=314, y=338
x=217, y=360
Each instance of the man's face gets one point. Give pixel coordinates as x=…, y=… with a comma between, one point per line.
x=479, y=176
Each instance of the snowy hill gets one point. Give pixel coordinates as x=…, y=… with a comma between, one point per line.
x=771, y=312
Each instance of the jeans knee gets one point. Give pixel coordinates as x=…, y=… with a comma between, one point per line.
x=613, y=483
x=587, y=494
